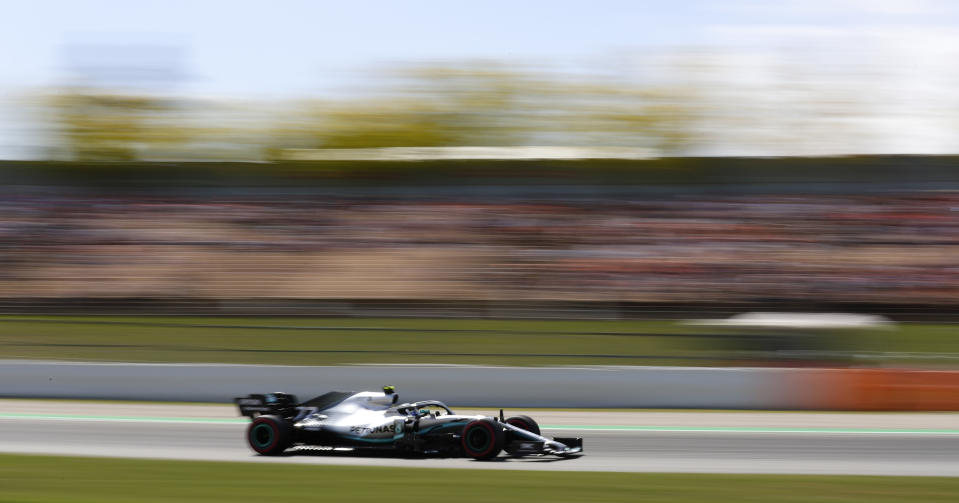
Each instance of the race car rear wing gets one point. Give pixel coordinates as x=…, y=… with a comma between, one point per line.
x=277, y=404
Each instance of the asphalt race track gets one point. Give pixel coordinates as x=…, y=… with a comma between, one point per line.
x=801, y=452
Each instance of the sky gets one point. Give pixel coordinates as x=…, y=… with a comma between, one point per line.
x=259, y=48
x=285, y=49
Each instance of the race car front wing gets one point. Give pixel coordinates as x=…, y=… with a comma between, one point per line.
x=537, y=444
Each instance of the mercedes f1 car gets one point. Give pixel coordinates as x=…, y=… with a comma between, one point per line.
x=374, y=420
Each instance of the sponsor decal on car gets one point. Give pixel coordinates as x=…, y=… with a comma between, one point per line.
x=369, y=430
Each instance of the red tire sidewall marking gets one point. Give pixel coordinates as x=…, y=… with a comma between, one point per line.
x=521, y=424
x=492, y=438
x=275, y=434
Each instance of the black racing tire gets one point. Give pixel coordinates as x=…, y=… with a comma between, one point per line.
x=524, y=422
x=482, y=439
x=269, y=435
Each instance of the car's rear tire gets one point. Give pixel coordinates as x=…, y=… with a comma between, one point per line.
x=482, y=439
x=270, y=435
x=523, y=422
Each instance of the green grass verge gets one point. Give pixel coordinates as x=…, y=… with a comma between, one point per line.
x=330, y=341
x=64, y=479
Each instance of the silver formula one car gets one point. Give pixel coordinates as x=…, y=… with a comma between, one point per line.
x=374, y=420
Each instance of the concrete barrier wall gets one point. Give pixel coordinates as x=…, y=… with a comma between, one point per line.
x=615, y=387
x=657, y=387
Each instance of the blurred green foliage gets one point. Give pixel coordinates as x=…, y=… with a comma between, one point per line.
x=432, y=107
x=429, y=106
x=95, y=126
x=477, y=106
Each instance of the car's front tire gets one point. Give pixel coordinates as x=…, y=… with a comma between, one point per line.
x=270, y=435
x=482, y=439
x=522, y=422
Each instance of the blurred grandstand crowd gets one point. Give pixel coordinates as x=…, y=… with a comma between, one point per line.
x=871, y=248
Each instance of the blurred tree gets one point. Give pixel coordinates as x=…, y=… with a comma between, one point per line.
x=662, y=119
x=495, y=106
x=409, y=123
x=430, y=107
x=95, y=126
